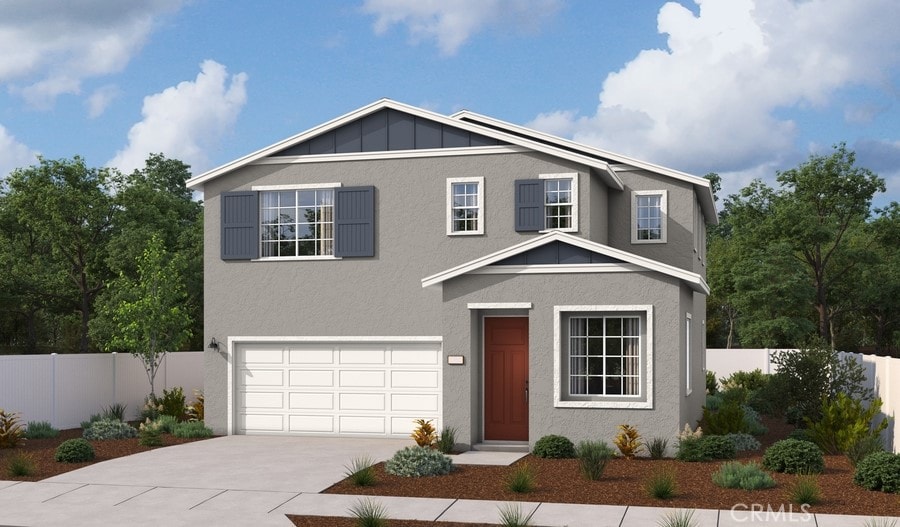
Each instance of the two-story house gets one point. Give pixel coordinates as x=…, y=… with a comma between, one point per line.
x=395, y=264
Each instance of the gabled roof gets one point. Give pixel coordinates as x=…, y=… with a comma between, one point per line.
x=632, y=262
x=601, y=167
x=701, y=185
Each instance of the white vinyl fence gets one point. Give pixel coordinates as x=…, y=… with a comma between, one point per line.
x=882, y=376
x=66, y=389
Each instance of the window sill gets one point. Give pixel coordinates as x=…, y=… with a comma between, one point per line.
x=604, y=404
x=295, y=258
x=647, y=242
x=545, y=231
x=466, y=233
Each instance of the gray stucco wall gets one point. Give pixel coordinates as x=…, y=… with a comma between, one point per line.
x=463, y=384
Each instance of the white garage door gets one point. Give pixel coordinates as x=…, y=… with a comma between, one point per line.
x=343, y=388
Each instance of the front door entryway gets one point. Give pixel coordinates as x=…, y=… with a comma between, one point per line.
x=506, y=378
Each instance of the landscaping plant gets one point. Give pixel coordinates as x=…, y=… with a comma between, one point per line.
x=173, y=403
x=115, y=412
x=713, y=402
x=678, y=518
x=91, y=420
x=191, y=430
x=512, y=515
x=150, y=434
x=879, y=471
x=151, y=409
x=734, y=475
x=20, y=465
x=748, y=380
x=109, y=429
x=74, y=451
x=40, y=430
x=728, y=419
x=863, y=448
x=446, y=440
x=661, y=484
x=880, y=522
x=805, y=490
x=195, y=412
x=743, y=442
x=361, y=471
x=657, y=447
x=521, y=479
x=593, y=456
x=843, y=422
x=418, y=461
x=424, y=434
x=369, y=513
x=752, y=423
x=166, y=423
x=554, y=447
x=711, y=385
x=11, y=432
x=705, y=448
x=629, y=441
x=794, y=457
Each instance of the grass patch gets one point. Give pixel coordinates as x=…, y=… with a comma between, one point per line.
x=521, y=479
x=661, y=485
x=512, y=515
x=21, y=465
x=361, y=471
x=369, y=513
x=805, y=490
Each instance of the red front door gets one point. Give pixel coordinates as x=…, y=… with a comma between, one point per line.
x=506, y=378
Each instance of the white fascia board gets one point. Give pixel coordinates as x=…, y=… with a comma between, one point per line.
x=695, y=281
x=706, y=198
x=390, y=154
x=602, y=167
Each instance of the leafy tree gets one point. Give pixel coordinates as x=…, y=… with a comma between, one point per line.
x=878, y=282
x=149, y=318
x=67, y=208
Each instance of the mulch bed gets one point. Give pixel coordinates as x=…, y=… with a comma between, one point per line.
x=42, y=452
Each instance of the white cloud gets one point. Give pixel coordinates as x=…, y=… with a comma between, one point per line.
x=101, y=99
x=13, y=154
x=451, y=24
x=49, y=47
x=710, y=101
x=183, y=122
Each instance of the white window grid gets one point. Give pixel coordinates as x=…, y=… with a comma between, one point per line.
x=648, y=216
x=604, y=355
x=297, y=223
x=465, y=206
x=558, y=200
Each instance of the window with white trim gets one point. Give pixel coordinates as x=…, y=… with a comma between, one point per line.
x=559, y=204
x=465, y=206
x=687, y=354
x=603, y=356
x=298, y=222
x=648, y=216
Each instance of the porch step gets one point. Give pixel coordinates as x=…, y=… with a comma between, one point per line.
x=502, y=446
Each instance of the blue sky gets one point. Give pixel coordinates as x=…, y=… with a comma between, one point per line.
x=739, y=87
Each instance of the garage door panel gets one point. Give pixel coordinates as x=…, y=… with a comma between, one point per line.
x=303, y=378
x=311, y=356
x=312, y=424
x=362, y=379
x=362, y=401
x=336, y=388
x=263, y=377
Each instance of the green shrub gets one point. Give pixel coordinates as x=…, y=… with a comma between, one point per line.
x=418, y=461
x=863, y=449
x=191, y=430
x=752, y=421
x=554, y=447
x=805, y=490
x=166, y=423
x=749, y=380
x=21, y=465
x=794, y=457
x=879, y=471
x=713, y=402
x=770, y=398
x=40, y=430
x=369, y=513
x=521, y=479
x=593, y=456
x=91, y=420
x=717, y=447
x=447, y=440
x=150, y=434
x=737, y=395
x=657, y=447
x=661, y=484
x=173, y=403
x=729, y=419
x=799, y=434
x=109, y=429
x=11, y=432
x=151, y=409
x=734, y=475
x=690, y=449
x=361, y=471
x=513, y=515
x=743, y=442
x=711, y=385
x=114, y=412
x=74, y=451
x=843, y=421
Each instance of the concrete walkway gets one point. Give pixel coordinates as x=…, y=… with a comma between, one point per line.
x=241, y=480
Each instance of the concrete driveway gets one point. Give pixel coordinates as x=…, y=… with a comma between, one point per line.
x=233, y=480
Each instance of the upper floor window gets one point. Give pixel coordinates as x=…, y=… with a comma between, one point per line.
x=465, y=205
x=547, y=203
x=297, y=223
x=648, y=210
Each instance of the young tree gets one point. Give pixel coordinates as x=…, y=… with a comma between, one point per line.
x=148, y=317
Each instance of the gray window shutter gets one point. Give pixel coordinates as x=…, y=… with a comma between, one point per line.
x=354, y=221
x=240, y=225
x=529, y=205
